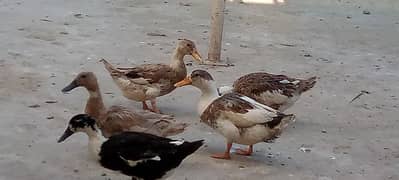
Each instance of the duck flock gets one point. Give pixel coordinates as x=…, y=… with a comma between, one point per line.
x=134, y=142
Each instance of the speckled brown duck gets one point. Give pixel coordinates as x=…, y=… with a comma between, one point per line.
x=117, y=119
x=277, y=91
x=149, y=81
x=238, y=118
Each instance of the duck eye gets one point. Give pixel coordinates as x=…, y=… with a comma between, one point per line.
x=83, y=76
x=188, y=45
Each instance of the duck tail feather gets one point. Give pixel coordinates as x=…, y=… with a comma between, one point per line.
x=307, y=84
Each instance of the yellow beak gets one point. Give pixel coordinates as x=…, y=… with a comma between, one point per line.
x=196, y=55
x=184, y=82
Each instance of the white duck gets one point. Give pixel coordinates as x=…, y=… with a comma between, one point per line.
x=238, y=118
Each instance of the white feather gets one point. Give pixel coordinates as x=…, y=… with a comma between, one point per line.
x=156, y=158
x=258, y=105
x=225, y=89
x=178, y=142
x=284, y=81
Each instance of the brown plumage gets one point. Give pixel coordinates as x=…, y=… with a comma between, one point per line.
x=277, y=91
x=117, y=119
x=149, y=81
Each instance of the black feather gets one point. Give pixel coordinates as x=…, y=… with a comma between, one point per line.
x=142, y=147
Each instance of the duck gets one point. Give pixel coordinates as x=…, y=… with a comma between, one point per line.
x=149, y=81
x=135, y=154
x=238, y=118
x=276, y=91
x=117, y=118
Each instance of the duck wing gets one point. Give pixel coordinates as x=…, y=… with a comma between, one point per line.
x=258, y=83
x=152, y=73
x=119, y=118
x=241, y=110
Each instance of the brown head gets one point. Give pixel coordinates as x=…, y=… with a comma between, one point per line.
x=83, y=79
x=198, y=78
x=187, y=47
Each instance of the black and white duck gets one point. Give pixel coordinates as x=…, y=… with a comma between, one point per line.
x=138, y=155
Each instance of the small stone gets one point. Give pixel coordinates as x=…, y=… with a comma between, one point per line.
x=78, y=15
x=366, y=12
x=34, y=106
x=103, y=174
x=75, y=171
x=184, y=4
x=307, y=55
x=324, y=131
x=64, y=33
x=50, y=117
x=304, y=149
x=44, y=162
x=348, y=17
x=241, y=167
x=51, y=101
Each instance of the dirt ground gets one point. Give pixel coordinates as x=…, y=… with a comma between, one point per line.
x=352, y=45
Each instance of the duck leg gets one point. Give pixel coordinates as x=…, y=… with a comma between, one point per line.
x=247, y=152
x=225, y=155
x=154, y=106
x=145, y=107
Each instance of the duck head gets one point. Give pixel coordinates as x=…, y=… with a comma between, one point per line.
x=83, y=79
x=79, y=123
x=200, y=79
x=187, y=47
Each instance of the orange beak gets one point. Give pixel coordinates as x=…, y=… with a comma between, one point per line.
x=184, y=82
x=196, y=55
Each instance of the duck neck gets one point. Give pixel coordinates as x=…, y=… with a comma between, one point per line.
x=177, y=62
x=96, y=139
x=95, y=105
x=209, y=94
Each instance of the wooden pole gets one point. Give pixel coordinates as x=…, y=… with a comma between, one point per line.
x=216, y=33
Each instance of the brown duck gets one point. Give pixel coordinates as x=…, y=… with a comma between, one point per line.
x=117, y=119
x=149, y=81
x=277, y=91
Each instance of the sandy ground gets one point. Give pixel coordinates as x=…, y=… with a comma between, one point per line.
x=45, y=43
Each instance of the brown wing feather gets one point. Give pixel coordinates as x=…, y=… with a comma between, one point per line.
x=119, y=119
x=257, y=83
x=230, y=102
x=152, y=72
